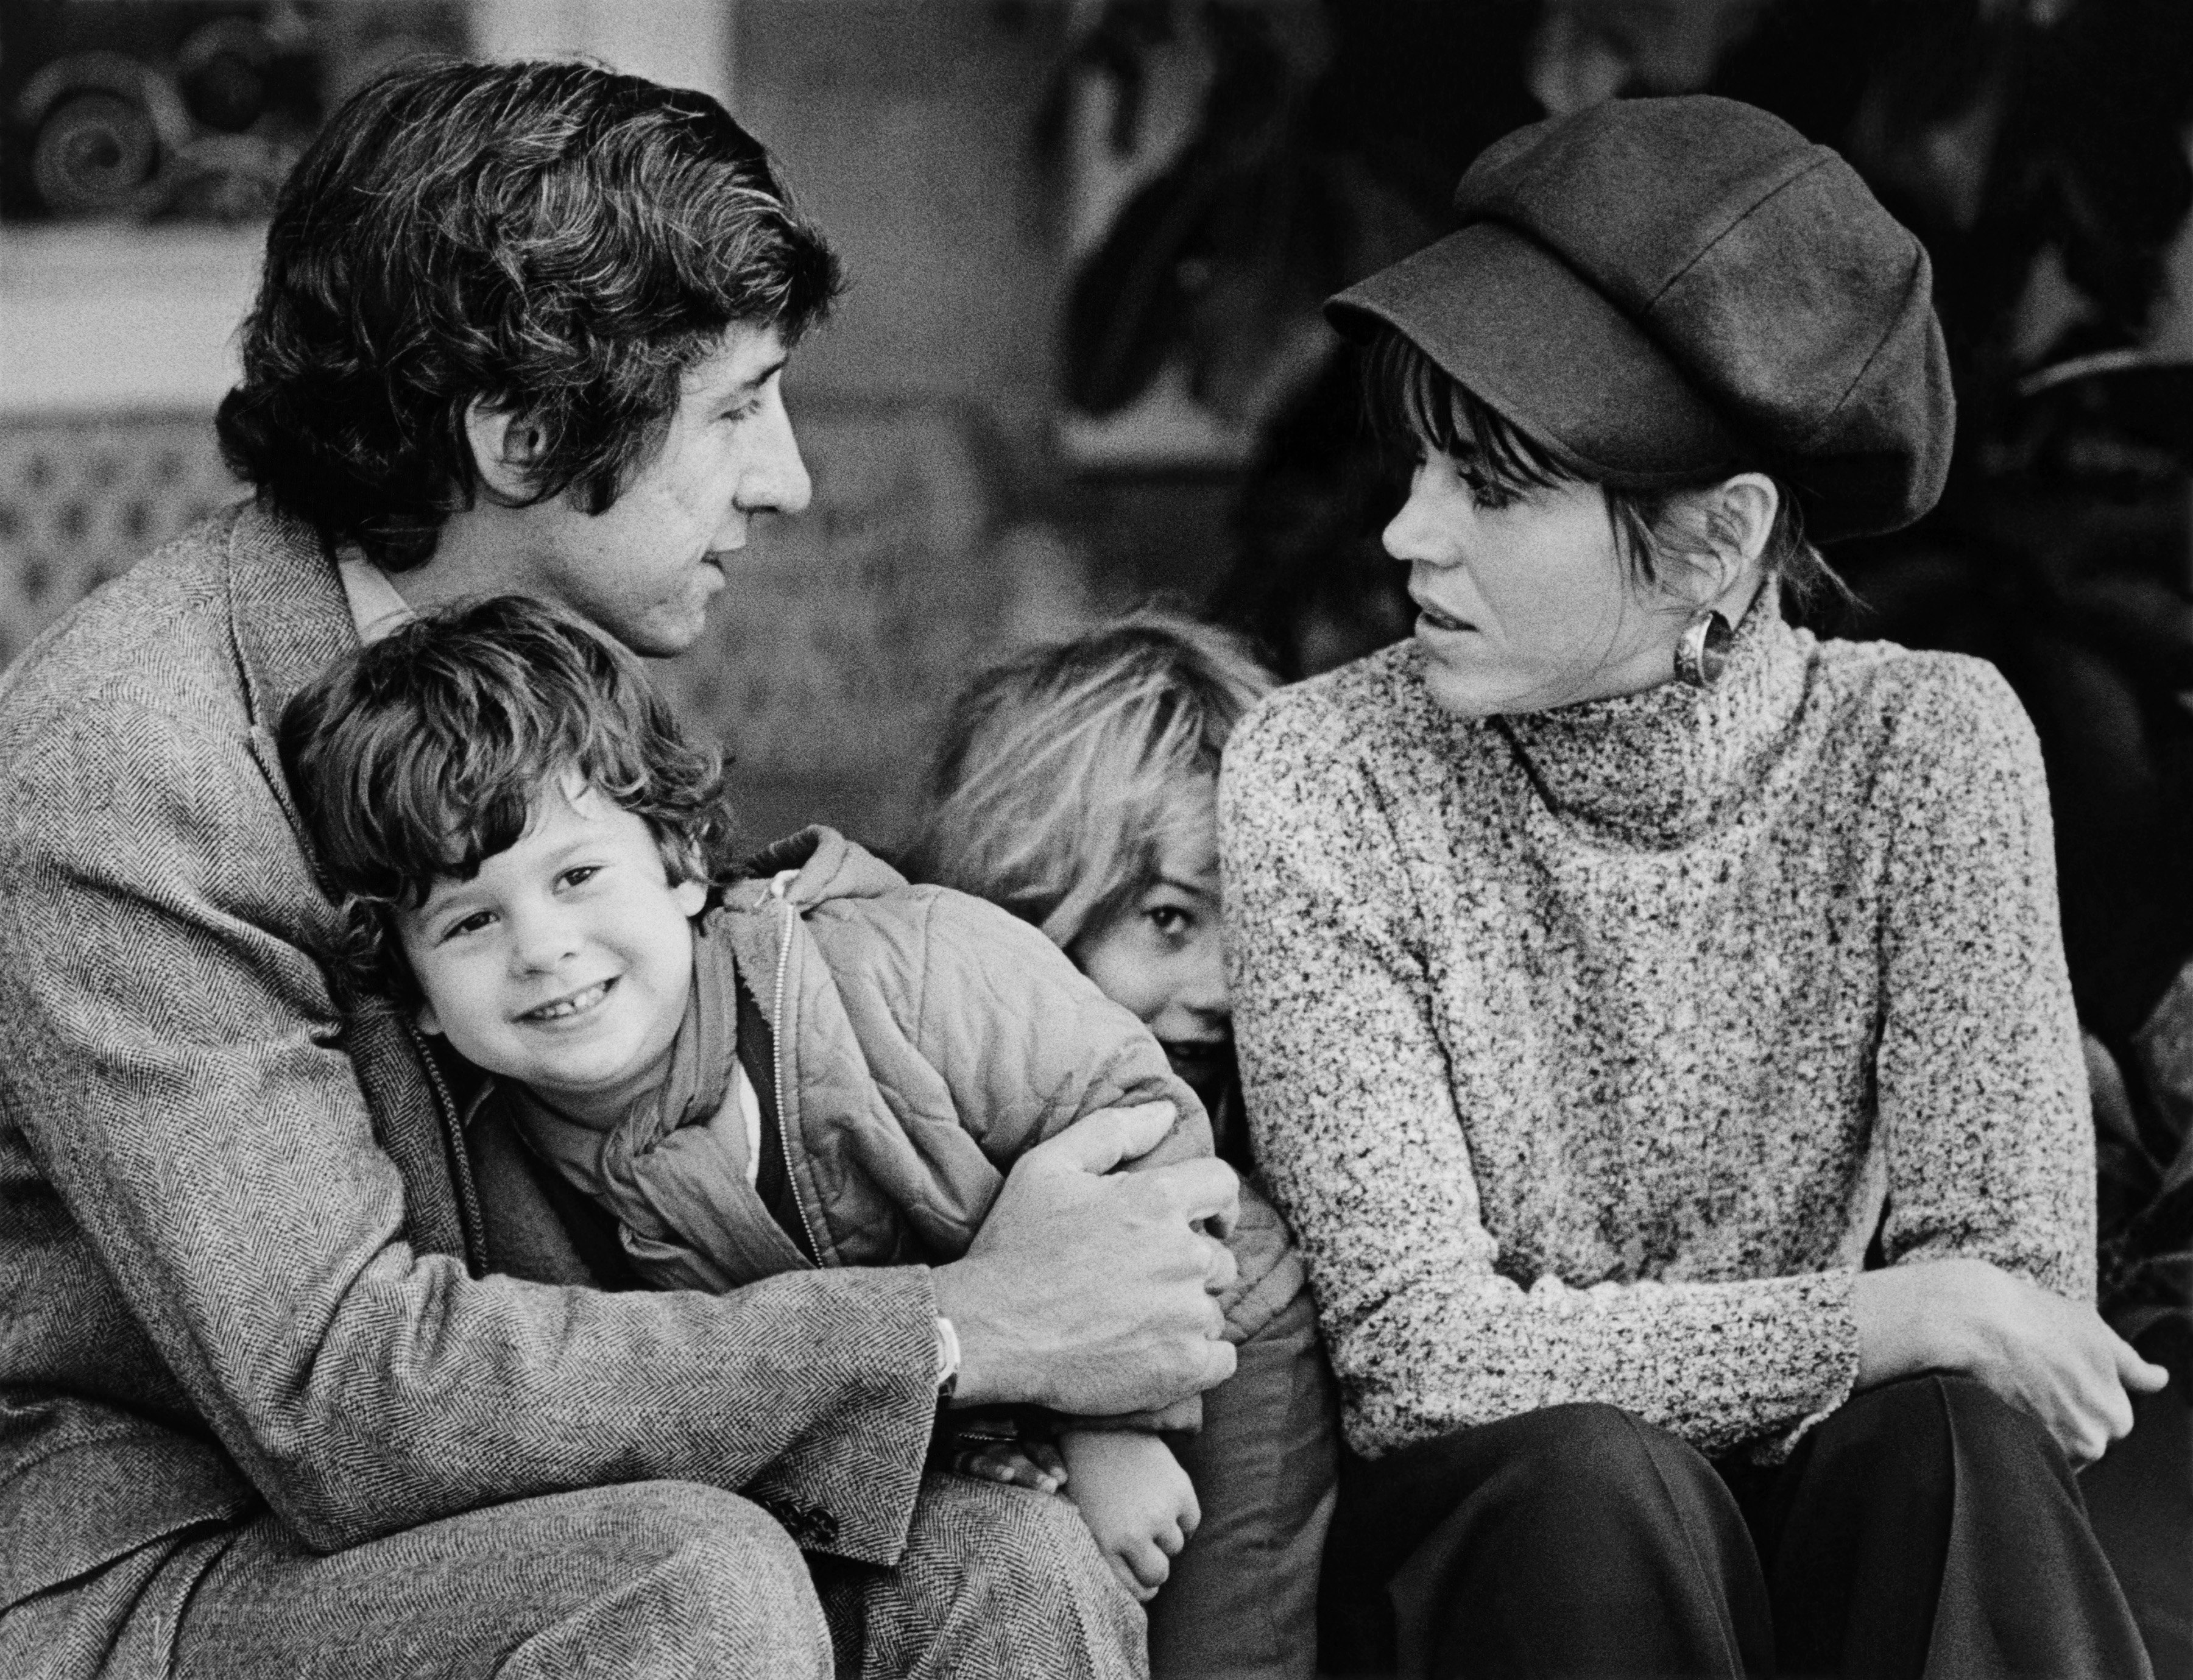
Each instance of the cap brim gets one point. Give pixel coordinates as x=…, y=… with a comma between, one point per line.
x=1509, y=320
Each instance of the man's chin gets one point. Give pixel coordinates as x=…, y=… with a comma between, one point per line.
x=664, y=633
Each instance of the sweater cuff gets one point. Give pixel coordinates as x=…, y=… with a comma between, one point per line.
x=1835, y=1343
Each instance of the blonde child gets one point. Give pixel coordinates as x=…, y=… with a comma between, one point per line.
x=1076, y=787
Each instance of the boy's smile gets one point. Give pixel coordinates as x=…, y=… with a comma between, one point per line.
x=579, y=1002
x=564, y=964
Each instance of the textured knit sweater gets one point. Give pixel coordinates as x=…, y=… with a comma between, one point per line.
x=1588, y=1051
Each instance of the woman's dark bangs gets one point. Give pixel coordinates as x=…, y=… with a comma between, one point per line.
x=1416, y=405
x=1410, y=399
x=1506, y=456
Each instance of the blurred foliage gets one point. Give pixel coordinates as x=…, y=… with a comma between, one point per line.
x=2037, y=147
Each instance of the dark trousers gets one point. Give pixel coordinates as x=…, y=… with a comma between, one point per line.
x=1927, y=1528
x=2141, y=1498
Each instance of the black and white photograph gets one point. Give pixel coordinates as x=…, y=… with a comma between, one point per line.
x=1096, y=839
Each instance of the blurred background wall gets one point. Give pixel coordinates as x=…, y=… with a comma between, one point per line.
x=1081, y=361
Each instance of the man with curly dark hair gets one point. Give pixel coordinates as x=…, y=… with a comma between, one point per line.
x=300, y=1375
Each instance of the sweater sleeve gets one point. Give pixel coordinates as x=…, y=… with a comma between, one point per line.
x=1983, y=1104
x=1355, y=1122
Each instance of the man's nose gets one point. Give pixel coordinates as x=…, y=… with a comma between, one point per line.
x=776, y=478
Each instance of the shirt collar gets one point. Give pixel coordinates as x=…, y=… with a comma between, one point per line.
x=377, y=607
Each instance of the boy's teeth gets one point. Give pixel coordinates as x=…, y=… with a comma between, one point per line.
x=571, y=1005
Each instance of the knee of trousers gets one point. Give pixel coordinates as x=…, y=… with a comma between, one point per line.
x=1017, y=1573
x=1589, y=1470
x=705, y=1546
x=1003, y=1543
x=673, y=1578
x=1919, y=1417
x=1922, y=1423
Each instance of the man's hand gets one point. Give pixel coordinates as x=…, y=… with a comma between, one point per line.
x=1034, y=1465
x=2057, y=1360
x=1089, y=1291
x=1137, y=1500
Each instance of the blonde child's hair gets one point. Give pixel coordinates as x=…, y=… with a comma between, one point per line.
x=1062, y=769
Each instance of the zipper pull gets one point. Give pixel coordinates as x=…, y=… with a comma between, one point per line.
x=781, y=882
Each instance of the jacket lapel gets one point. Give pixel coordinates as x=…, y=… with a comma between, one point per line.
x=290, y=620
x=287, y=609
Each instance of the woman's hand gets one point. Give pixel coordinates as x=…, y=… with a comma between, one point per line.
x=2057, y=1360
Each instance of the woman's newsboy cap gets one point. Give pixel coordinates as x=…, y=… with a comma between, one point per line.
x=1669, y=289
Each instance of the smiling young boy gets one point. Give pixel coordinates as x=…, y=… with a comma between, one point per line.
x=803, y=1062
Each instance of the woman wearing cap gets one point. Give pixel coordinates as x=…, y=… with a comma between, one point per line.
x=1617, y=966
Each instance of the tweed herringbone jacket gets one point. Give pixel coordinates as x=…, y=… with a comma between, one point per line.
x=242, y=1258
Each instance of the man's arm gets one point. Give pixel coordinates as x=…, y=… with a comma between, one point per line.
x=1089, y=1291
x=1054, y=1049
x=169, y=1048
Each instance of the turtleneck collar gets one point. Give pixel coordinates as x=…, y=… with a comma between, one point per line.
x=1657, y=768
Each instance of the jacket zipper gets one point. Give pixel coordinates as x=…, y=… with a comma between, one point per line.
x=776, y=1055
x=471, y=1222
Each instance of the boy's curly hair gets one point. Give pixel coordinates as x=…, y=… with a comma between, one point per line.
x=422, y=756
x=551, y=237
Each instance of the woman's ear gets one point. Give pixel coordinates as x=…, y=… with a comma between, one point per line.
x=691, y=898
x=1734, y=520
x=429, y=1022
x=1742, y=514
x=507, y=451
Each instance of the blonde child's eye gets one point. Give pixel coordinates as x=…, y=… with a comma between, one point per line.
x=584, y=873
x=1169, y=920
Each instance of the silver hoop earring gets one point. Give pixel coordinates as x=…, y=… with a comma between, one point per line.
x=1701, y=655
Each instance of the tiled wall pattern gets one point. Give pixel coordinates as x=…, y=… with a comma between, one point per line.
x=839, y=639
x=81, y=500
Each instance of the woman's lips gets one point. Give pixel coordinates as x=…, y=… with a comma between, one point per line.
x=1430, y=617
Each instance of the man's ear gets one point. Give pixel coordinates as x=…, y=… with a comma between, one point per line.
x=691, y=898
x=507, y=448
